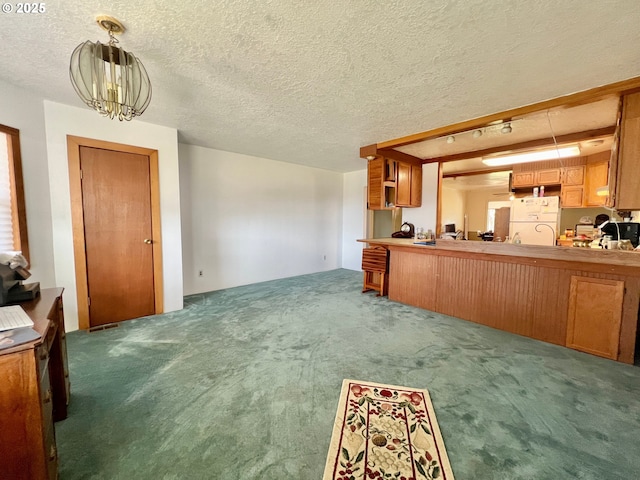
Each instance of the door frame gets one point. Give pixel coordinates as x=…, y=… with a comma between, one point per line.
x=77, y=220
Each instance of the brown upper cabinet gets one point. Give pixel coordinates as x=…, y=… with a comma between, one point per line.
x=393, y=184
x=576, y=180
x=534, y=178
x=573, y=175
x=409, y=185
x=597, y=176
x=626, y=191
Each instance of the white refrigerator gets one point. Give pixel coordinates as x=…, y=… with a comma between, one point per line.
x=535, y=219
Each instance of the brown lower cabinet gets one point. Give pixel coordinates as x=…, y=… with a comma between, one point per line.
x=595, y=314
x=34, y=391
x=576, y=297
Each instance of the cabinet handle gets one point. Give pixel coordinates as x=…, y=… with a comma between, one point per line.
x=44, y=355
x=148, y=241
x=52, y=453
x=47, y=396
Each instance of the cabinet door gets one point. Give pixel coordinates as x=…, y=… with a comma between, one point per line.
x=375, y=196
x=572, y=197
x=403, y=185
x=597, y=176
x=408, y=185
x=416, y=186
x=548, y=177
x=573, y=176
x=593, y=325
x=523, y=179
x=627, y=194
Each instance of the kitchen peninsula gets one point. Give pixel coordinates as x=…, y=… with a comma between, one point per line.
x=579, y=298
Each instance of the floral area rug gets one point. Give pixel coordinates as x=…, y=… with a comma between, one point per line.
x=385, y=432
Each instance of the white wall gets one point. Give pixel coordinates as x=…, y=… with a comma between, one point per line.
x=453, y=207
x=477, y=202
x=353, y=218
x=24, y=111
x=60, y=121
x=247, y=219
x=426, y=215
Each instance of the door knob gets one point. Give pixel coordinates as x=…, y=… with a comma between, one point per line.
x=148, y=241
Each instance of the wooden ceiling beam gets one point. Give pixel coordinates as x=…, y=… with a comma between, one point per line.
x=400, y=156
x=369, y=151
x=373, y=151
x=542, y=142
x=619, y=88
x=506, y=168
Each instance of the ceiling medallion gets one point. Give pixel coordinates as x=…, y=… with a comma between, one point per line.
x=108, y=79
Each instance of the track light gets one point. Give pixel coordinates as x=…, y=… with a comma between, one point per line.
x=477, y=134
x=451, y=139
x=507, y=128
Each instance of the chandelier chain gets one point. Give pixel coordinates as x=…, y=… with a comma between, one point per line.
x=112, y=39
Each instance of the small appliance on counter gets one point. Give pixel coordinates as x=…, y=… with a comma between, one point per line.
x=628, y=231
x=585, y=230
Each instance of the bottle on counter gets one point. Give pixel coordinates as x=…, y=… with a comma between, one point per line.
x=542, y=190
x=516, y=239
x=535, y=191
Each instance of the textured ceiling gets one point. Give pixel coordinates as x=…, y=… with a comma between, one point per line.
x=311, y=82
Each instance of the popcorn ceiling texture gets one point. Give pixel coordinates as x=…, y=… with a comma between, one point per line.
x=311, y=82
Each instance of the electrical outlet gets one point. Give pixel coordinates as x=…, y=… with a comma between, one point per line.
x=200, y=273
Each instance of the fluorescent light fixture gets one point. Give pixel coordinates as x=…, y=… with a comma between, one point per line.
x=537, y=156
x=602, y=191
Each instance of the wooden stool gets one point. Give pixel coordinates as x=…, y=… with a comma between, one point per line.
x=374, y=264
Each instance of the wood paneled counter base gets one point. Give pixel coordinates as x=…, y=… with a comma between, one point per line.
x=34, y=392
x=580, y=298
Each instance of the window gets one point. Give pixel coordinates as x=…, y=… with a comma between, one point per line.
x=13, y=219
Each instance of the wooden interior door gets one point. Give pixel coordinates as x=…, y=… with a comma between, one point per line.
x=501, y=224
x=116, y=200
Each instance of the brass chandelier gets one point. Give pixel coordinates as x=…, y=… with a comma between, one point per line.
x=108, y=79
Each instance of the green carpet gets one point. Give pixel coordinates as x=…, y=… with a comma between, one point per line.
x=244, y=383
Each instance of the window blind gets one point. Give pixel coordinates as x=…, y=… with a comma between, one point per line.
x=6, y=217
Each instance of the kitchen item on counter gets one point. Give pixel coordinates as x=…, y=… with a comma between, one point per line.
x=586, y=220
x=535, y=191
x=625, y=245
x=582, y=242
x=542, y=190
x=516, y=239
x=612, y=245
x=535, y=219
x=568, y=232
x=406, y=231
x=585, y=229
x=627, y=230
x=601, y=218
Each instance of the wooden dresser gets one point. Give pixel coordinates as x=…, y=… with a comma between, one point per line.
x=34, y=392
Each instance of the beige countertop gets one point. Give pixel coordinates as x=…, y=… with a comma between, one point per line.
x=585, y=255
